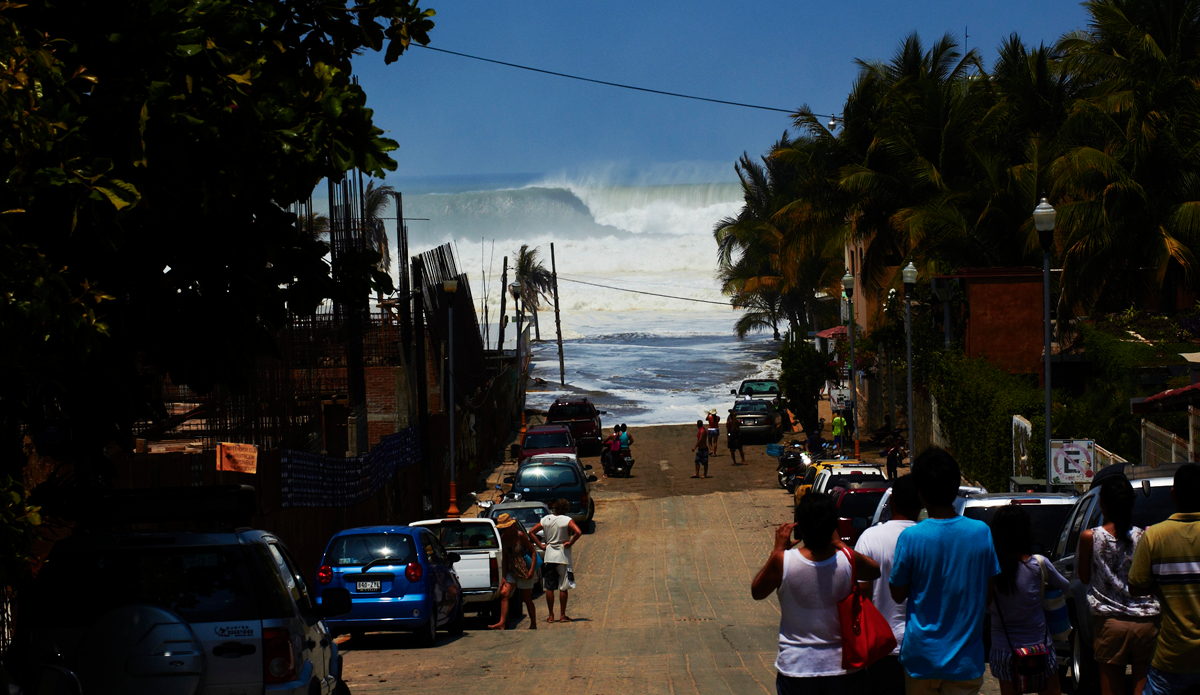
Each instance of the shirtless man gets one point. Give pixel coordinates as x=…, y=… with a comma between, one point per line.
x=733, y=430
x=714, y=430
x=701, y=449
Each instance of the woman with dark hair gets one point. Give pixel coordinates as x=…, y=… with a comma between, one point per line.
x=1018, y=622
x=811, y=579
x=1124, y=627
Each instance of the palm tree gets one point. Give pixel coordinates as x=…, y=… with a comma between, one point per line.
x=375, y=202
x=535, y=281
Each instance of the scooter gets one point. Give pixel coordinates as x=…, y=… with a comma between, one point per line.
x=792, y=459
x=485, y=505
x=619, y=464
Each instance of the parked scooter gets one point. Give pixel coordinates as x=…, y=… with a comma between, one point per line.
x=792, y=459
x=485, y=505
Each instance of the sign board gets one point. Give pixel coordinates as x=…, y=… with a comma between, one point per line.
x=1072, y=460
x=839, y=399
x=237, y=458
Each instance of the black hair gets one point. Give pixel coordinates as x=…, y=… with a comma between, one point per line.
x=937, y=476
x=623, y=429
x=1187, y=488
x=1116, y=494
x=816, y=519
x=905, y=498
x=699, y=423
x=1012, y=535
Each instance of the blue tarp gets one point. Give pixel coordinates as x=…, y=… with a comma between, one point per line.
x=316, y=480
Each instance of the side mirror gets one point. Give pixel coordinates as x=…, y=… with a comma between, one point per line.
x=453, y=557
x=508, y=479
x=1145, y=487
x=733, y=392
x=860, y=522
x=591, y=478
x=587, y=467
x=335, y=602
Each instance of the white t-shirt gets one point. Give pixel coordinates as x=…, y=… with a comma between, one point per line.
x=557, y=531
x=879, y=544
x=810, y=632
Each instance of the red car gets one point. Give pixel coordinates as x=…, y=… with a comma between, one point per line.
x=581, y=417
x=856, y=505
x=546, y=439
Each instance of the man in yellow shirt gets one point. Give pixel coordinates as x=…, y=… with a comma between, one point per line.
x=839, y=428
x=1167, y=564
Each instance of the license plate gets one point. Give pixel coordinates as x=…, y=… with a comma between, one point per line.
x=364, y=587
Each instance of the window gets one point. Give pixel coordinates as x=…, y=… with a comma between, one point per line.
x=439, y=553
x=1047, y=521
x=301, y=587
x=546, y=476
x=810, y=475
x=572, y=411
x=1084, y=508
x=860, y=504
x=362, y=548
x=528, y=516
x=750, y=409
x=462, y=536
x=546, y=440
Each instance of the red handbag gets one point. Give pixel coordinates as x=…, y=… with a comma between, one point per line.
x=866, y=635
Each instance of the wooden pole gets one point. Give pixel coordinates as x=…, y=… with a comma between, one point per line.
x=503, y=296
x=562, y=369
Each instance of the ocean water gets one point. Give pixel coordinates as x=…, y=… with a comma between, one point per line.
x=646, y=359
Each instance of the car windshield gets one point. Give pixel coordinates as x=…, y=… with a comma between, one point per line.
x=528, y=516
x=1047, y=521
x=463, y=536
x=358, y=549
x=546, y=476
x=203, y=584
x=546, y=440
x=750, y=388
x=860, y=504
x=571, y=410
x=750, y=409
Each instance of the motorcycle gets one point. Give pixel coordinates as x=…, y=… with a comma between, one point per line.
x=883, y=435
x=792, y=460
x=619, y=464
x=485, y=505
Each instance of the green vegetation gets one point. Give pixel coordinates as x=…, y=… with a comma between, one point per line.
x=803, y=373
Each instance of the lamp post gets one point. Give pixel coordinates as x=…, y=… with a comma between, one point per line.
x=1043, y=220
x=515, y=289
x=909, y=275
x=848, y=284
x=451, y=286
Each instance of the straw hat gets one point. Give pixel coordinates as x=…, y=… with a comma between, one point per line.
x=712, y=411
x=504, y=521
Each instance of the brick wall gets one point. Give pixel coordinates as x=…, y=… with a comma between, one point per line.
x=1004, y=323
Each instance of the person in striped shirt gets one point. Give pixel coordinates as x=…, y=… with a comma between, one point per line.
x=1166, y=564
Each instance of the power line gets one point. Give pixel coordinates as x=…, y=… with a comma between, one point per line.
x=617, y=84
x=652, y=294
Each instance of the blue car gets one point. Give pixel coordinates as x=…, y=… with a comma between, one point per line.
x=399, y=579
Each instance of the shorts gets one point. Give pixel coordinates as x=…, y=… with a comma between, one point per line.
x=557, y=576
x=1124, y=639
x=702, y=457
x=734, y=443
x=713, y=433
x=522, y=583
x=837, y=440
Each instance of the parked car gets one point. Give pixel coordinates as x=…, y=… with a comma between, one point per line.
x=884, y=511
x=479, y=548
x=758, y=388
x=581, y=417
x=529, y=513
x=559, y=458
x=758, y=418
x=547, y=482
x=546, y=439
x=1048, y=511
x=1152, y=488
x=232, y=608
x=399, y=578
x=856, y=503
x=815, y=471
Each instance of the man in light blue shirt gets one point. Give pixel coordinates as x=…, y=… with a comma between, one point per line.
x=945, y=567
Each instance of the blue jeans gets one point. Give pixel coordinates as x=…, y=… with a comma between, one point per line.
x=1167, y=683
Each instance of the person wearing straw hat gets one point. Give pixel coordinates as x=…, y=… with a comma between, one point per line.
x=518, y=571
x=714, y=431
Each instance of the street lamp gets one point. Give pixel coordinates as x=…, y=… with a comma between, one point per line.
x=1043, y=220
x=450, y=287
x=848, y=284
x=909, y=275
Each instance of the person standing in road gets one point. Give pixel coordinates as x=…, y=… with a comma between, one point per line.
x=839, y=428
x=1124, y=627
x=701, y=449
x=733, y=440
x=1167, y=562
x=1018, y=620
x=811, y=580
x=560, y=532
x=714, y=431
x=518, y=572
x=886, y=676
x=945, y=568
x=626, y=438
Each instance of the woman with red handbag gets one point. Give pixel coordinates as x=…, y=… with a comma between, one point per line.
x=1022, y=656
x=812, y=580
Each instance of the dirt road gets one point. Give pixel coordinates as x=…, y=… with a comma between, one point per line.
x=663, y=600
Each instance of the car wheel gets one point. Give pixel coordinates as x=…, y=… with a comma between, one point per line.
x=456, y=626
x=591, y=510
x=341, y=688
x=1084, y=673
x=427, y=633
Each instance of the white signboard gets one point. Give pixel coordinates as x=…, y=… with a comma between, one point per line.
x=839, y=399
x=1072, y=460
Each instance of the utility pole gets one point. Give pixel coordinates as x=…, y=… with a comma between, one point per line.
x=503, y=296
x=562, y=369
x=418, y=280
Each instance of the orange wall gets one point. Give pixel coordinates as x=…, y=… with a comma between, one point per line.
x=1004, y=322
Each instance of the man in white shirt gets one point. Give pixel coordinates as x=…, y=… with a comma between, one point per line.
x=886, y=676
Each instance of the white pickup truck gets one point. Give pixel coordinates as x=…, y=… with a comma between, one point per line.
x=477, y=543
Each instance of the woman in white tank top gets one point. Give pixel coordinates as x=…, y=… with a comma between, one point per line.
x=811, y=580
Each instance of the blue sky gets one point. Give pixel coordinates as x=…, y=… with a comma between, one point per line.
x=457, y=117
